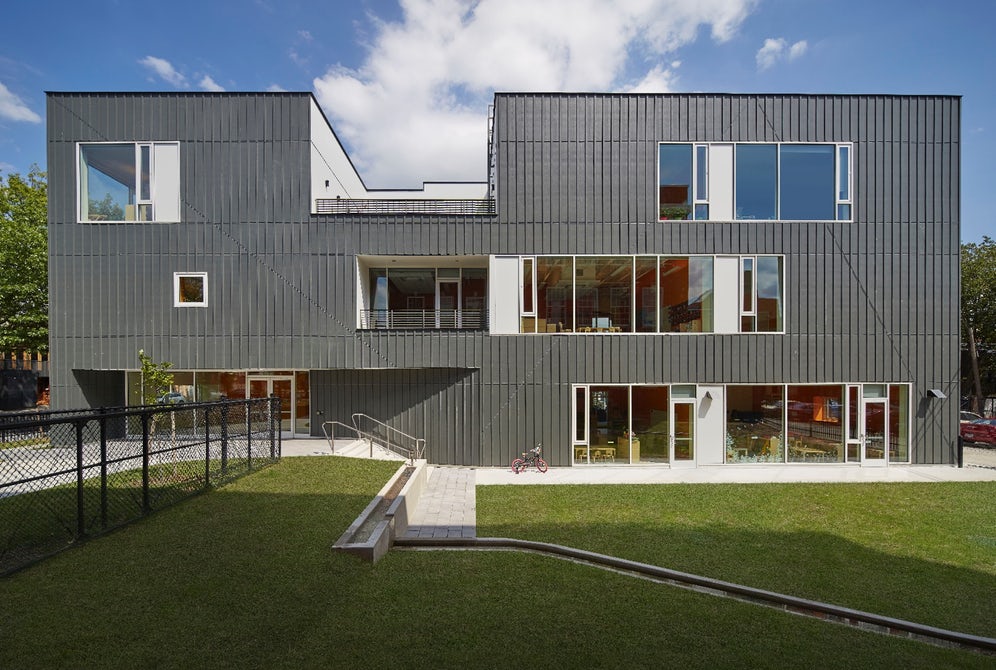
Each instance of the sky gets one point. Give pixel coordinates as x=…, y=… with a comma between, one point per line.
x=406, y=85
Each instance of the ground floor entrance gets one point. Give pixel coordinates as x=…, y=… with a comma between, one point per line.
x=291, y=386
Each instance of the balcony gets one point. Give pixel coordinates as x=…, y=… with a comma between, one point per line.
x=423, y=319
x=476, y=206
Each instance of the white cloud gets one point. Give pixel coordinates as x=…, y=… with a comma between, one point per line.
x=164, y=70
x=209, y=84
x=776, y=49
x=13, y=108
x=414, y=110
x=276, y=88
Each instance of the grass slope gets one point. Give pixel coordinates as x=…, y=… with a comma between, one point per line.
x=243, y=577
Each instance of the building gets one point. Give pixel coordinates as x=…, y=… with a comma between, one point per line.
x=675, y=278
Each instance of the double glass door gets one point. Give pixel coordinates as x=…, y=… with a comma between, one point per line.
x=283, y=388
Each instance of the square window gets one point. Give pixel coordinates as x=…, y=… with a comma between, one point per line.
x=190, y=289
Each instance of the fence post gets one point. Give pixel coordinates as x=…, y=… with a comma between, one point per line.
x=80, y=517
x=274, y=413
x=103, y=467
x=224, y=437
x=248, y=408
x=273, y=437
x=145, y=463
x=207, y=447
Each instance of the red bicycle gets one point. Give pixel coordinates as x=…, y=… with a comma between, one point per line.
x=531, y=457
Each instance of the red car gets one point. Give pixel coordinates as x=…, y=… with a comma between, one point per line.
x=980, y=430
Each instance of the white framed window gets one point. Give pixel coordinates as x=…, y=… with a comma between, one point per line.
x=190, y=289
x=128, y=181
x=754, y=181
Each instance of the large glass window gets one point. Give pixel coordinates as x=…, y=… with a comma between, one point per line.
x=807, y=182
x=756, y=181
x=649, y=441
x=686, y=290
x=815, y=423
x=604, y=286
x=754, y=431
x=129, y=182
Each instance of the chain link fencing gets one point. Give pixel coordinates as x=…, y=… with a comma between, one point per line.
x=67, y=476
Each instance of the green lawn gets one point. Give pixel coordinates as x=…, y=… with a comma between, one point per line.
x=922, y=552
x=243, y=577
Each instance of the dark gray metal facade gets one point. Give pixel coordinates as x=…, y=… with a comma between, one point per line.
x=873, y=300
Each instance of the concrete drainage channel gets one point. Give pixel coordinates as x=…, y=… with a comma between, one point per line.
x=373, y=533
x=384, y=521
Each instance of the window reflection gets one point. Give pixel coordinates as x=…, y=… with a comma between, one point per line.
x=686, y=285
x=756, y=181
x=754, y=429
x=815, y=424
x=807, y=182
x=675, y=181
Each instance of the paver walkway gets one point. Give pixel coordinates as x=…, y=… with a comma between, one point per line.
x=448, y=506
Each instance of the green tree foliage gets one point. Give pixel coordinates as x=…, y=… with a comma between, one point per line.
x=24, y=262
x=157, y=380
x=978, y=313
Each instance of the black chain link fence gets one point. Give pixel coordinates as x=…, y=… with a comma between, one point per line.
x=67, y=476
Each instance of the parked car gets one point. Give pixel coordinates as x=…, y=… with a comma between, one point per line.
x=967, y=417
x=980, y=430
x=171, y=398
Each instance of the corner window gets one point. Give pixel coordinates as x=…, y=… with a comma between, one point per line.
x=120, y=182
x=190, y=289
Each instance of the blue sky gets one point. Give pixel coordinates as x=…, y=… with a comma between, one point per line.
x=406, y=85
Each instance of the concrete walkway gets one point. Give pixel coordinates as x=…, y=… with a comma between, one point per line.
x=448, y=506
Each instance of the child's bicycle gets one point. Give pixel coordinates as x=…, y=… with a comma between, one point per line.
x=531, y=457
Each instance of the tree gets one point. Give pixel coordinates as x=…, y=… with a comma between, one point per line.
x=978, y=310
x=24, y=262
x=157, y=380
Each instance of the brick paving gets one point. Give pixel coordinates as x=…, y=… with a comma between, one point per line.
x=448, y=506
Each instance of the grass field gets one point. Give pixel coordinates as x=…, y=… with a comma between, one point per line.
x=243, y=577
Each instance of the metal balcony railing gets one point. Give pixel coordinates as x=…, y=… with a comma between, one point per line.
x=423, y=319
x=482, y=206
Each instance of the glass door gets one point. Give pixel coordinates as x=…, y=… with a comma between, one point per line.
x=876, y=431
x=682, y=433
x=447, y=303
